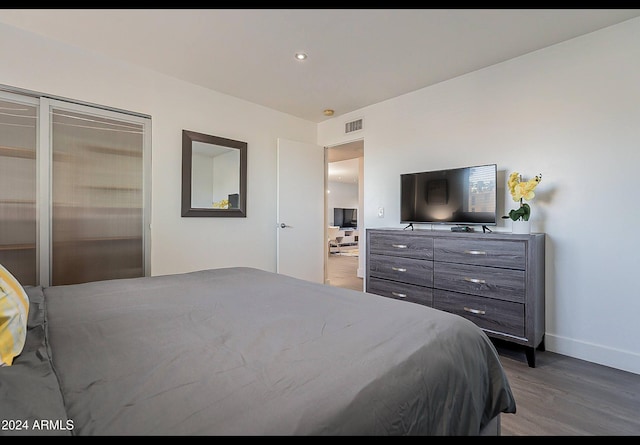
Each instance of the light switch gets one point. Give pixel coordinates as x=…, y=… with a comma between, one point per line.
x=380, y=212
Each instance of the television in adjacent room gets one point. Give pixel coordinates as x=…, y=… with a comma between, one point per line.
x=457, y=196
x=346, y=218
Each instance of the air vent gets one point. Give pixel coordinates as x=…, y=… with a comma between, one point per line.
x=352, y=126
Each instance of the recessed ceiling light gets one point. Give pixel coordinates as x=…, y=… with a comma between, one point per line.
x=301, y=56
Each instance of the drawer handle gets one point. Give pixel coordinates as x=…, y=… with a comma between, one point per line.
x=475, y=311
x=399, y=269
x=397, y=294
x=400, y=246
x=475, y=252
x=474, y=280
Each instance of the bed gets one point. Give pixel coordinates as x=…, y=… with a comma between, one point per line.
x=242, y=351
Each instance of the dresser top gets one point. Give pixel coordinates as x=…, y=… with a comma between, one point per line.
x=448, y=233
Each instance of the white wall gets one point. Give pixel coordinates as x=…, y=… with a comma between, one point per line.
x=343, y=195
x=177, y=244
x=226, y=179
x=202, y=181
x=570, y=112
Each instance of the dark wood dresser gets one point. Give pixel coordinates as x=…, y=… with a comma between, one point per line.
x=496, y=280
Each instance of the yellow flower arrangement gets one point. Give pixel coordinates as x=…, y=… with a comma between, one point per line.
x=522, y=191
x=222, y=204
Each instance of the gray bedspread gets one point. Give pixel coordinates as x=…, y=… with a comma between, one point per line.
x=240, y=351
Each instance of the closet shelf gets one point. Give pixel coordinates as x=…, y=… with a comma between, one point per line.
x=18, y=201
x=112, y=187
x=110, y=239
x=114, y=151
x=11, y=247
x=17, y=152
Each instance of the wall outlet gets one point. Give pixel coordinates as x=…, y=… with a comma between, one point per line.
x=380, y=212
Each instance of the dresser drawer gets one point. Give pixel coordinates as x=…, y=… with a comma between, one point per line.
x=496, y=253
x=495, y=315
x=501, y=284
x=401, y=244
x=406, y=270
x=401, y=291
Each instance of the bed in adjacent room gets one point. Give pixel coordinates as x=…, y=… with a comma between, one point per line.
x=241, y=351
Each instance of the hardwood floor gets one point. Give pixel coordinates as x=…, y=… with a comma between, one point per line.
x=342, y=272
x=561, y=396
x=564, y=396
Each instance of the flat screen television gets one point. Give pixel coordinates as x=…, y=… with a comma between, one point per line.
x=458, y=196
x=345, y=217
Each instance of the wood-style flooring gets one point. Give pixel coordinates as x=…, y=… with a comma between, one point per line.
x=561, y=396
x=342, y=272
x=565, y=396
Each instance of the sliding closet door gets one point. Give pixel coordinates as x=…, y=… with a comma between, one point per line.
x=98, y=208
x=75, y=198
x=18, y=187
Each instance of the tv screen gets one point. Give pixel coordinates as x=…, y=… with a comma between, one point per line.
x=345, y=217
x=464, y=195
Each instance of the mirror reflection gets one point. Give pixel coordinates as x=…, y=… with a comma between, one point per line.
x=214, y=175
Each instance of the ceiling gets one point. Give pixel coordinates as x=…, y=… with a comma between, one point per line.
x=343, y=171
x=356, y=57
x=343, y=163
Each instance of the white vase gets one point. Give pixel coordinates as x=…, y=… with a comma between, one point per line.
x=521, y=227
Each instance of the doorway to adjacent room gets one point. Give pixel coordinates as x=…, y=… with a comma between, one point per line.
x=344, y=210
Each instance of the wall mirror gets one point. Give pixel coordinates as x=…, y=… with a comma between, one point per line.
x=214, y=175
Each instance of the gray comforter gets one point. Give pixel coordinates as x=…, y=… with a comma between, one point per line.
x=240, y=351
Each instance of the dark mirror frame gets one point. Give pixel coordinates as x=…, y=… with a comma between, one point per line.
x=188, y=137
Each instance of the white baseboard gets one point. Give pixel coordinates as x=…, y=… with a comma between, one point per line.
x=591, y=352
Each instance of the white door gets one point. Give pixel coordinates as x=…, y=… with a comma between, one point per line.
x=301, y=232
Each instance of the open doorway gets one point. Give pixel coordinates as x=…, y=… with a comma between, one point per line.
x=344, y=210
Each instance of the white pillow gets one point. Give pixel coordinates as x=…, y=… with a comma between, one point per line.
x=14, y=310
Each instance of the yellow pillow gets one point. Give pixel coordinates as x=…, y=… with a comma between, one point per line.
x=14, y=309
